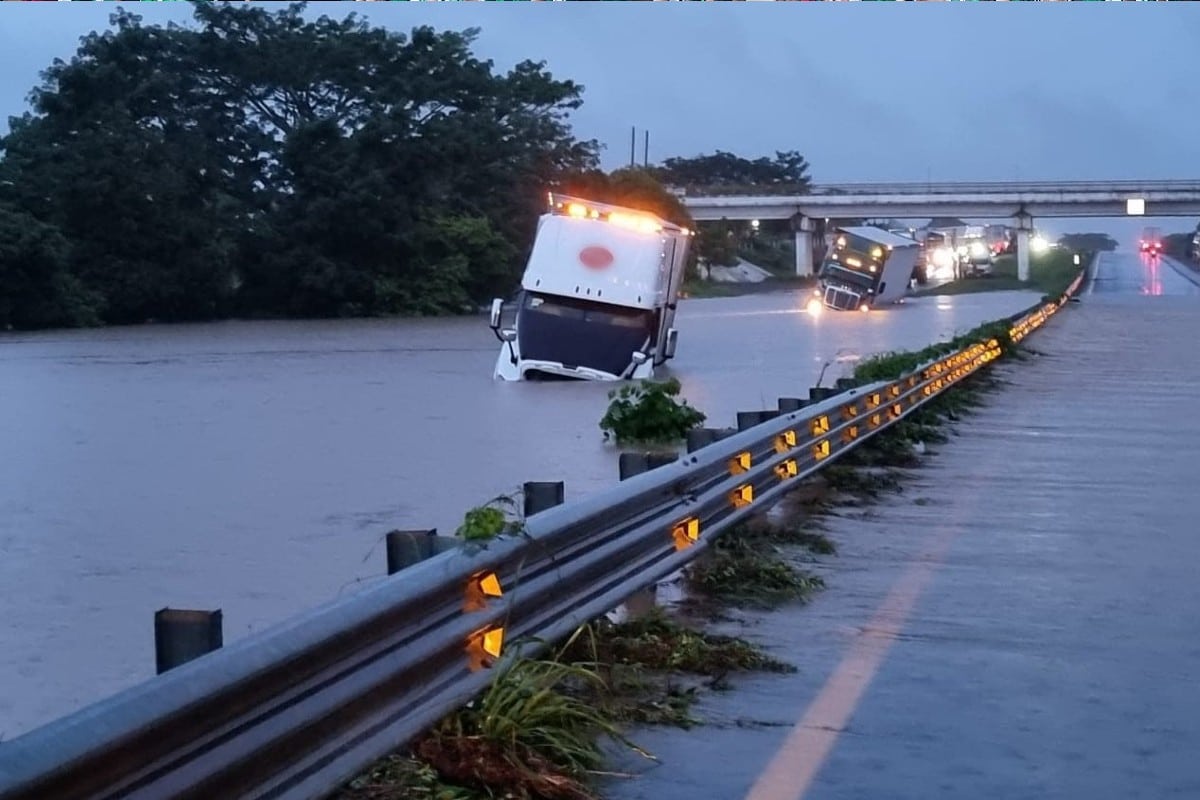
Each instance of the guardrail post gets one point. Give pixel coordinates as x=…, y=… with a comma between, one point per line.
x=643, y=601
x=790, y=404
x=181, y=635
x=845, y=384
x=819, y=393
x=630, y=464
x=748, y=419
x=541, y=495
x=701, y=437
x=405, y=548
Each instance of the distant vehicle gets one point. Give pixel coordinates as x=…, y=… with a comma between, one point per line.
x=1194, y=250
x=865, y=268
x=1151, y=242
x=1001, y=239
x=974, y=251
x=936, y=260
x=598, y=296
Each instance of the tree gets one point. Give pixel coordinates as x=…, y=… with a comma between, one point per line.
x=264, y=163
x=118, y=158
x=632, y=187
x=1088, y=241
x=37, y=290
x=726, y=169
x=717, y=243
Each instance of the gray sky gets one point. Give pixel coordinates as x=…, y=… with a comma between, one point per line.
x=946, y=91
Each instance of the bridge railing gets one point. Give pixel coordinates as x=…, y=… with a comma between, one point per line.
x=296, y=710
x=927, y=188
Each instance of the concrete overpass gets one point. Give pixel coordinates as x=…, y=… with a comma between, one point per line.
x=1019, y=201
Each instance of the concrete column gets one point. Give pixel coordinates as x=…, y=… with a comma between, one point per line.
x=1024, y=229
x=803, y=228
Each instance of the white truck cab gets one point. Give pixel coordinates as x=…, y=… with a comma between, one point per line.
x=598, y=295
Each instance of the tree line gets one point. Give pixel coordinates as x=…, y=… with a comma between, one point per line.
x=260, y=163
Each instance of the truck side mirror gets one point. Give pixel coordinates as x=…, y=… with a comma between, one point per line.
x=669, y=345
x=508, y=335
x=639, y=357
x=497, y=307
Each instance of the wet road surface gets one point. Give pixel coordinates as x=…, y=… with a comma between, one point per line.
x=1019, y=622
x=1127, y=274
x=255, y=467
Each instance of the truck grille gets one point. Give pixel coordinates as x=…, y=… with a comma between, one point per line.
x=840, y=298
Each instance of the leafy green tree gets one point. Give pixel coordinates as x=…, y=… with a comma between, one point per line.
x=265, y=163
x=632, y=187
x=717, y=243
x=726, y=169
x=37, y=290
x=117, y=158
x=1088, y=241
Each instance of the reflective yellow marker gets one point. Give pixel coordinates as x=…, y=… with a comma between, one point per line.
x=742, y=496
x=685, y=533
x=480, y=587
x=484, y=647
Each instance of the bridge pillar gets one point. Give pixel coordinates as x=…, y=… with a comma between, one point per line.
x=1024, y=230
x=803, y=228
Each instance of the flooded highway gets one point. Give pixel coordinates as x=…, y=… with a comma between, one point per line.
x=255, y=466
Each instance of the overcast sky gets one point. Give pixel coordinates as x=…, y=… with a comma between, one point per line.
x=866, y=91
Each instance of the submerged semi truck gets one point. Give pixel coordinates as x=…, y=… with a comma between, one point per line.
x=865, y=267
x=597, y=299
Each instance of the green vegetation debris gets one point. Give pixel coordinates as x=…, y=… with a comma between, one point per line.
x=496, y=517
x=657, y=642
x=649, y=412
x=748, y=571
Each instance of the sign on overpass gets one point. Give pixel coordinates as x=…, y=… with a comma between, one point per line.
x=1045, y=199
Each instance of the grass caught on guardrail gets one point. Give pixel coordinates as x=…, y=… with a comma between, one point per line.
x=537, y=732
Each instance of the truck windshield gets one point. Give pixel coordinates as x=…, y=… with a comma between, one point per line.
x=576, y=332
x=860, y=280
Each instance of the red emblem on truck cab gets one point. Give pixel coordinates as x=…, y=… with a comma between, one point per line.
x=595, y=257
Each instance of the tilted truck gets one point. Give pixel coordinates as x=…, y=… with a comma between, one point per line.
x=598, y=296
x=866, y=267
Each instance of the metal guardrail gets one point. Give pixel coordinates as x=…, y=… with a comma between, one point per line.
x=928, y=188
x=296, y=710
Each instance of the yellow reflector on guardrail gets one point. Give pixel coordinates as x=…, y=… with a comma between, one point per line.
x=685, y=533
x=484, y=647
x=820, y=425
x=850, y=433
x=785, y=441
x=480, y=587
x=742, y=496
x=739, y=464
x=821, y=449
x=788, y=469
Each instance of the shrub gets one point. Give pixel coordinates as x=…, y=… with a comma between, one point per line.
x=649, y=412
x=491, y=519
